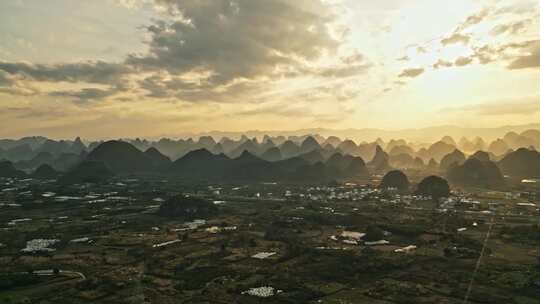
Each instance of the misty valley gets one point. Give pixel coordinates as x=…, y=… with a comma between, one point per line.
x=297, y=219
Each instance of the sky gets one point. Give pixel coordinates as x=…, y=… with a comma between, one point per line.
x=152, y=68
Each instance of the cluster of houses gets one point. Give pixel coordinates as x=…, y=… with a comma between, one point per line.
x=262, y=292
x=465, y=203
x=40, y=245
x=11, y=188
x=328, y=193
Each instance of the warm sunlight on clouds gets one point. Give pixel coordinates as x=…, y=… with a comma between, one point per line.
x=164, y=67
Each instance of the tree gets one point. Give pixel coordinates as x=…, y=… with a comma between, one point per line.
x=433, y=186
x=476, y=173
x=186, y=206
x=395, y=179
x=373, y=233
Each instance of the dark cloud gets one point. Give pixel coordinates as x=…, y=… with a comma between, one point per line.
x=455, y=39
x=511, y=28
x=411, y=73
x=162, y=85
x=496, y=53
x=485, y=54
x=530, y=60
x=442, y=64
x=460, y=62
x=521, y=55
x=523, y=45
x=14, y=78
x=86, y=94
x=235, y=47
x=241, y=39
x=10, y=84
x=473, y=19
x=212, y=50
x=91, y=71
x=5, y=79
x=155, y=86
x=463, y=61
x=458, y=37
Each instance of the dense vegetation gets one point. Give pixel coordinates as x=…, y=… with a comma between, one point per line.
x=395, y=179
x=433, y=186
x=186, y=206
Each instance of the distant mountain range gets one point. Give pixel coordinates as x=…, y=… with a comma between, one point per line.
x=291, y=158
x=28, y=153
x=123, y=158
x=427, y=134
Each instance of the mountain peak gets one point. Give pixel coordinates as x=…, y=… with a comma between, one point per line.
x=247, y=156
x=45, y=171
x=120, y=157
x=309, y=144
x=449, y=140
x=198, y=154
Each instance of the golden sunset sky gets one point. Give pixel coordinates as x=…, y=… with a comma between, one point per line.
x=149, y=68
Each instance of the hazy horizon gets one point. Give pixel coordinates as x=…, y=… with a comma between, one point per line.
x=420, y=135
